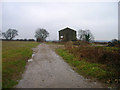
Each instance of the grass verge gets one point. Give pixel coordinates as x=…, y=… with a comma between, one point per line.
x=87, y=69
x=14, y=57
x=83, y=67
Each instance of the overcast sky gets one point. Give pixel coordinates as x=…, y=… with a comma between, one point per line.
x=100, y=17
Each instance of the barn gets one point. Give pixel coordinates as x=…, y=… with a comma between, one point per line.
x=67, y=34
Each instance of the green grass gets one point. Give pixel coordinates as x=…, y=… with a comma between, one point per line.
x=87, y=69
x=14, y=57
x=111, y=48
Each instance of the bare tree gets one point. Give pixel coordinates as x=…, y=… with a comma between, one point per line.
x=85, y=35
x=10, y=34
x=41, y=34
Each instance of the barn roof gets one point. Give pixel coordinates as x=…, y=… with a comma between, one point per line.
x=67, y=28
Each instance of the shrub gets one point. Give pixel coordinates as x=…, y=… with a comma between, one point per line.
x=107, y=57
x=80, y=43
x=114, y=42
x=101, y=55
x=104, y=43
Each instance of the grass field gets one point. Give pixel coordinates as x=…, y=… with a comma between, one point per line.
x=14, y=57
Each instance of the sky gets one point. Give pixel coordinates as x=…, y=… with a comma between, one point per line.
x=99, y=17
x=119, y=21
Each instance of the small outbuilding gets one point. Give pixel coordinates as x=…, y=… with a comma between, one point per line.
x=67, y=34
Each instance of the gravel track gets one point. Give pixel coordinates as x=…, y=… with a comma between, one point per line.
x=48, y=70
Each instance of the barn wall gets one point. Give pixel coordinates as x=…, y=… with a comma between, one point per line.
x=68, y=35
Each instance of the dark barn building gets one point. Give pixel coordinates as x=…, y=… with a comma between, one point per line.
x=67, y=34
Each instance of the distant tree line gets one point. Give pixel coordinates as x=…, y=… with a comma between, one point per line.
x=19, y=40
x=25, y=39
x=40, y=35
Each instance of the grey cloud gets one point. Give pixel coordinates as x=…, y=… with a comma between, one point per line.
x=100, y=18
